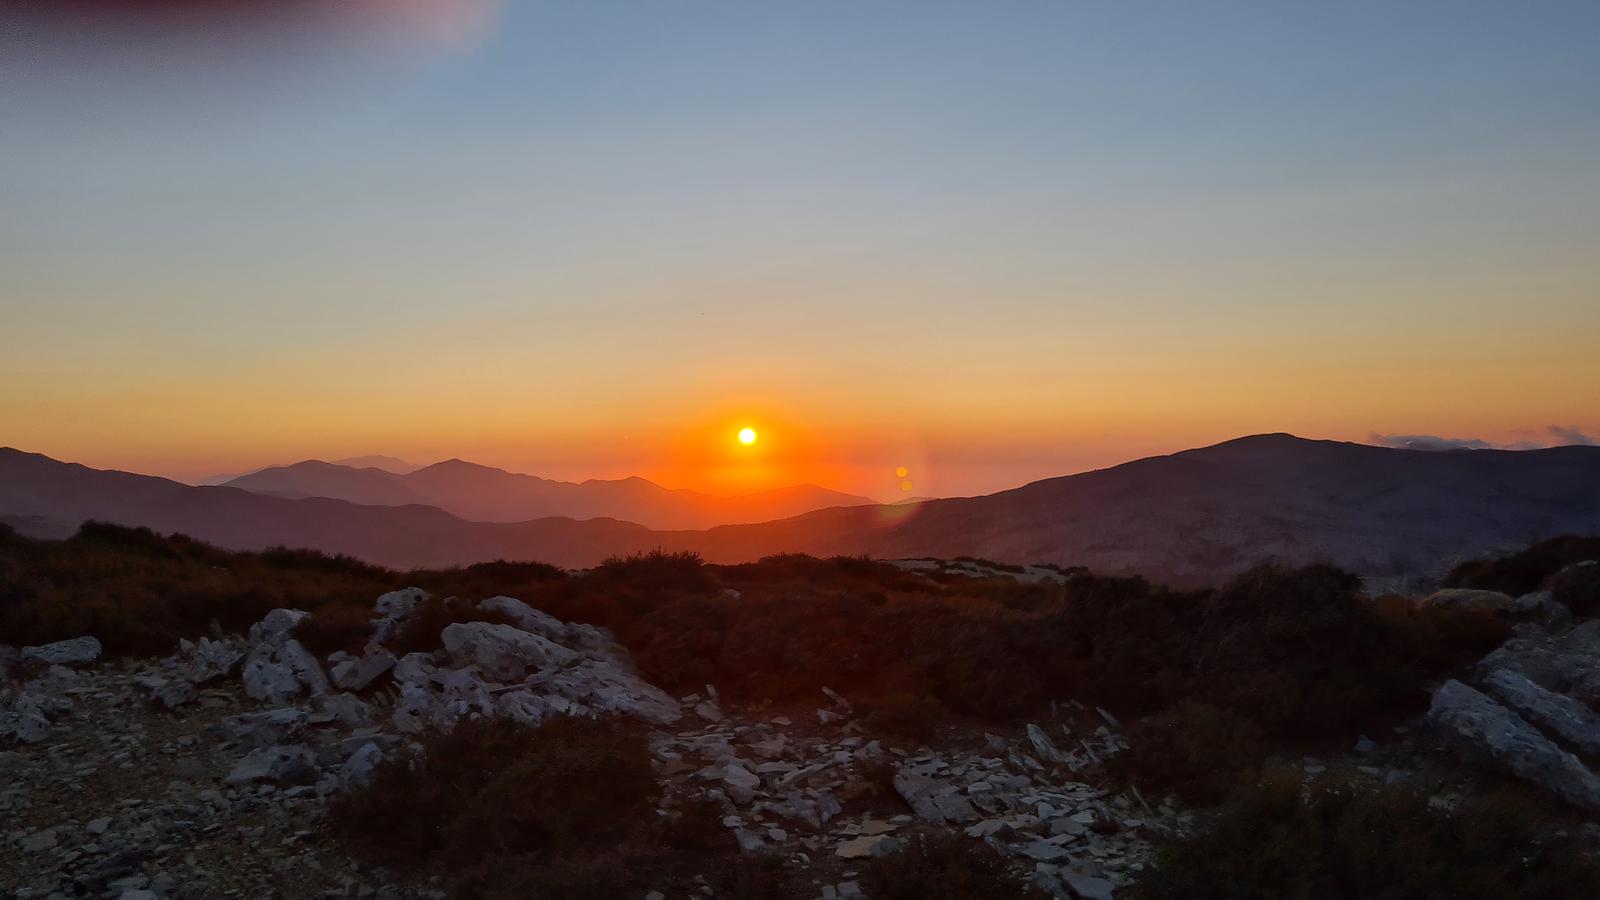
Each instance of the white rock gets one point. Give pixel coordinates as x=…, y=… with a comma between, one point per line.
x=74, y=651
x=359, y=769
x=292, y=763
x=276, y=626
x=527, y=618
x=351, y=673
x=502, y=652
x=393, y=608
x=22, y=719
x=868, y=845
x=211, y=660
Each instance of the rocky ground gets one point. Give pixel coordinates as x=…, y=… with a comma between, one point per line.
x=209, y=773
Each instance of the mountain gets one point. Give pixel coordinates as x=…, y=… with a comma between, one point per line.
x=386, y=463
x=486, y=494
x=1191, y=517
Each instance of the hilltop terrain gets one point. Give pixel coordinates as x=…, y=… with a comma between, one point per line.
x=222, y=723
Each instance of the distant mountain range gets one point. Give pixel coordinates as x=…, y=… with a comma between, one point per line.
x=1190, y=517
x=485, y=494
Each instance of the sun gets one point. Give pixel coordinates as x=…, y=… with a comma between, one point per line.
x=747, y=436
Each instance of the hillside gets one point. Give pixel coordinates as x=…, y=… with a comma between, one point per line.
x=1195, y=516
x=486, y=494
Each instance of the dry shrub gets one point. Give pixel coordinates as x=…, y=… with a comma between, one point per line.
x=1197, y=751
x=946, y=866
x=1344, y=838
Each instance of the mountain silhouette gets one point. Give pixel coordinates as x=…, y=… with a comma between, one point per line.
x=485, y=494
x=1191, y=517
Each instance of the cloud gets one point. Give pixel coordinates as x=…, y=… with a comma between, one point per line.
x=1571, y=434
x=1427, y=442
x=1550, y=436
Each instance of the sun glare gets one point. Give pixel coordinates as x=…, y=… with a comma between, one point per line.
x=747, y=436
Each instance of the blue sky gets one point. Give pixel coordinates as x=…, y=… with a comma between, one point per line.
x=1009, y=240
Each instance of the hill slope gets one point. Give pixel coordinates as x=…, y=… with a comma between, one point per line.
x=1190, y=517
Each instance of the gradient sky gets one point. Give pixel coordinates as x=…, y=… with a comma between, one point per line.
x=989, y=242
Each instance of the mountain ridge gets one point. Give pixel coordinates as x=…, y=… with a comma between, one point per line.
x=1195, y=516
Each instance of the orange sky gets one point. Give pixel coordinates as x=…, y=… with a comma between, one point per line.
x=987, y=245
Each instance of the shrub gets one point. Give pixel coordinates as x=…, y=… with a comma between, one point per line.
x=1578, y=586
x=680, y=571
x=1195, y=750
x=1345, y=838
x=1526, y=570
x=946, y=866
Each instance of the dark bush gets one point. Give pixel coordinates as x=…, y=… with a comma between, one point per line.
x=947, y=866
x=681, y=571
x=1526, y=570
x=1195, y=750
x=1346, y=838
x=1578, y=586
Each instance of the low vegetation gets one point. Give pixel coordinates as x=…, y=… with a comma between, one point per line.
x=565, y=810
x=1527, y=570
x=947, y=866
x=1348, y=838
x=1276, y=657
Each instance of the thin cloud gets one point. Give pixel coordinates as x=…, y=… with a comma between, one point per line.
x=1571, y=434
x=1550, y=436
x=1428, y=442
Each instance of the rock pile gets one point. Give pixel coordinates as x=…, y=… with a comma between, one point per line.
x=785, y=785
x=208, y=772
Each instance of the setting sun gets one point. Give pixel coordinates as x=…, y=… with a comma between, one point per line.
x=747, y=436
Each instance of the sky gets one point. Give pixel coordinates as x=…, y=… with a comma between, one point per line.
x=987, y=243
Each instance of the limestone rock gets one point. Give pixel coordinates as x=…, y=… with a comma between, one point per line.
x=282, y=764
x=1487, y=734
x=502, y=652
x=350, y=673
x=358, y=770
x=70, y=652
x=1467, y=599
x=22, y=719
x=1573, y=723
x=393, y=609
x=211, y=660
x=868, y=845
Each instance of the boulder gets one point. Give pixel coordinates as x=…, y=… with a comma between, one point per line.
x=740, y=783
x=211, y=660
x=527, y=618
x=1044, y=749
x=71, y=652
x=1567, y=663
x=22, y=719
x=1571, y=722
x=606, y=686
x=276, y=626
x=869, y=846
x=282, y=764
x=173, y=693
x=1489, y=735
x=359, y=769
x=1466, y=599
x=349, y=709
x=502, y=652
x=350, y=673
x=270, y=681
x=393, y=608
x=279, y=672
